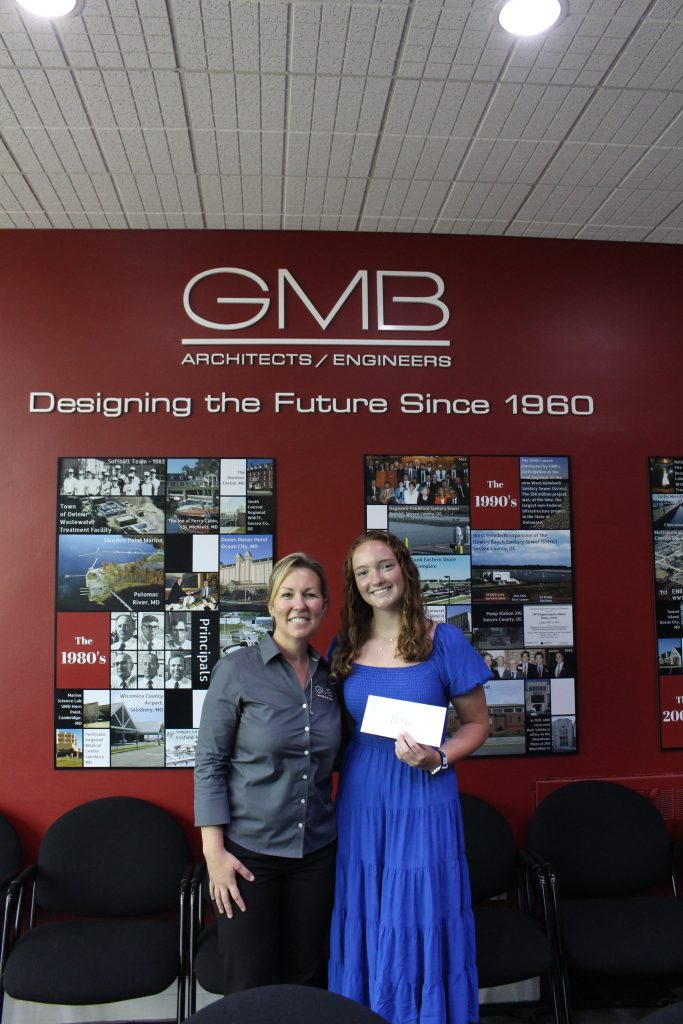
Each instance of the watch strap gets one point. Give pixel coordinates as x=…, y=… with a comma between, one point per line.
x=443, y=766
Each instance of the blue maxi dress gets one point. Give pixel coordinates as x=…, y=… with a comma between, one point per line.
x=402, y=937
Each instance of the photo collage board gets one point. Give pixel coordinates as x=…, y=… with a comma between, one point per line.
x=666, y=490
x=491, y=537
x=162, y=568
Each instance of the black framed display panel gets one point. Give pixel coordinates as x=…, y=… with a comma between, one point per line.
x=491, y=537
x=666, y=499
x=162, y=567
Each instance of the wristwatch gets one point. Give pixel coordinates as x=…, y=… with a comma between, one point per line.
x=442, y=766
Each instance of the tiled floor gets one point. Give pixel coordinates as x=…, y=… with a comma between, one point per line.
x=599, y=1005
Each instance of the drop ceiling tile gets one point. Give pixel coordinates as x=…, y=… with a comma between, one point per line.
x=228, y=147
x=376, y=195
x=272, y=152
x=648, y=55
x=666, y=236
x=561, y=203
x=646, y=208
x=658, y=168
x=430, y=158
x=453, y=156
x=354, y=195
x=158, y=151
x=250, y=154
x=409, y=157
x=388, y=151
x=135, y=145
x=271, y=192
x=113, y=151
x=108, y=199
x=211, y=101
x=626, y=116
x=300, y=109
x=375, y=97
x=362, y=155
x=335, y=155
x=127, y=189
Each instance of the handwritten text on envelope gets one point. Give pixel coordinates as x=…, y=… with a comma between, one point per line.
x=385, y=716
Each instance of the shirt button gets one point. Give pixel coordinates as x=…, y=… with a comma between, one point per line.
x=306, y=752
x=307, y=728
x=305, y=776
x=301, y=824
x=304, y=705
x=303, y=801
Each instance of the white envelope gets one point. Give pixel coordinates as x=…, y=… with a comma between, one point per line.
x=385, y=716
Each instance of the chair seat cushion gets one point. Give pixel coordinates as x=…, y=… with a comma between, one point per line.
x=624, y=935
x=510, y=946
x=672, y=1014
x=208, y=963
x=81, y=962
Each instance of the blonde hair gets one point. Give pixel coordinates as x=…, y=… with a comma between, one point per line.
x=297, y=560
x=414, y=641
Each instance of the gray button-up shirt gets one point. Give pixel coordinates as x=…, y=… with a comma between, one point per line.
x=265, y=752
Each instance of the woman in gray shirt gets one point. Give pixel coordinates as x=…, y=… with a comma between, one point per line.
x=269, y=735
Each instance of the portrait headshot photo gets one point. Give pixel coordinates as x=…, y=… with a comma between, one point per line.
x=122, y=671
x=178, y=636
x=176, y=677
x=123, y=634
x=149, y=675
x=150, y=631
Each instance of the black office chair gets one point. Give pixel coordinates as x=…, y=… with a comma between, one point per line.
x=512, y=943
x=285, y=1004
x=10, y=853
x=615, y=897
x=10, y=865
x=117, y=867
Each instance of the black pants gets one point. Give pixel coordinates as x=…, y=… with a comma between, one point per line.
x=283, y=935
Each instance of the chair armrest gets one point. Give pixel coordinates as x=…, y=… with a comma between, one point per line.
x=16, y=891
x=531, y=881
x=676, y=865
x=196, y=920
x=4, y=882
x=183, y=936
x=14, y=903
x=196, y=903
x=183, y=905
x=551, y=897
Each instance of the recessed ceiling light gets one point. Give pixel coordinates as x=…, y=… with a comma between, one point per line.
x=529, y=17
x=49, y=8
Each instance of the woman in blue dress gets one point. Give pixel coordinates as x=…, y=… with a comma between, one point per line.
x=402, y=939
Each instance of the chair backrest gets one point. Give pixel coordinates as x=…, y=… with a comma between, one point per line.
x=10, y=849
x=285, y=1004
x=602, y=839
x=490, y=848
x=113, y=857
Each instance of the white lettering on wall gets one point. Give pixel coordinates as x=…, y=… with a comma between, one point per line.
x=287, y=282
x=430, y=300
x=323, y=322
x=215, y=326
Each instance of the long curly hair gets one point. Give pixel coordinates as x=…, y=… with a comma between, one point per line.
x=414, y=642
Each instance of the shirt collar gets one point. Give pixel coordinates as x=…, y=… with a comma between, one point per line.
x=269, y=650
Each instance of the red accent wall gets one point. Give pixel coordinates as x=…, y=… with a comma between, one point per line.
x=82, y=312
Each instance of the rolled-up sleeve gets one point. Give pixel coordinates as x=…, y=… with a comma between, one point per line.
x=217, y=728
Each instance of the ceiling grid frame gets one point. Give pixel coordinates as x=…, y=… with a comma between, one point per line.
x=366, y=115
